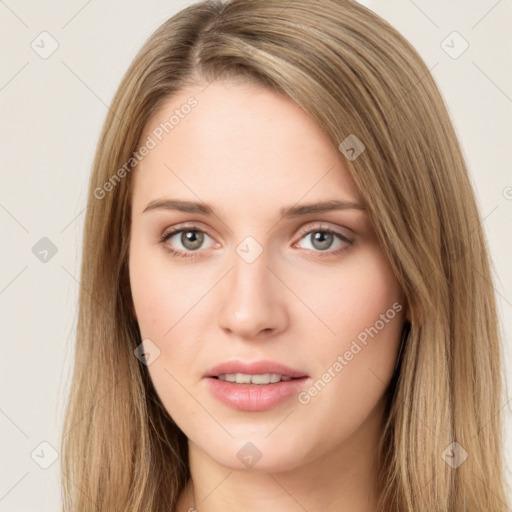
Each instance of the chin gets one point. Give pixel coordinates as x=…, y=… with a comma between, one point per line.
x=257, y=455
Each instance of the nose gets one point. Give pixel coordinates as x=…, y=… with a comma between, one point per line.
x=252, y=301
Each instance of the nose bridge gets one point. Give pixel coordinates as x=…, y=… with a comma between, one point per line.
x=252, y=300
x=250, y=275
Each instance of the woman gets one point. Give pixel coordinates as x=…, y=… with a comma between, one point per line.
x=287, y=302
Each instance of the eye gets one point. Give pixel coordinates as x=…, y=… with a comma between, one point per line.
x=191, y=238
x=322, y=239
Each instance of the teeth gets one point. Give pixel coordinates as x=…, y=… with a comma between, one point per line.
x=244, y=378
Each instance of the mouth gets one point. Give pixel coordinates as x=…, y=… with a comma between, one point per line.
x=256, y=386
x=256, y=372
x=258, y=379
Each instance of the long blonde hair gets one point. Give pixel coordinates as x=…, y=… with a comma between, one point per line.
x=355, y=75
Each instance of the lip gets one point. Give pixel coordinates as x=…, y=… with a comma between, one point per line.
x=254, y=397
x=254, y=368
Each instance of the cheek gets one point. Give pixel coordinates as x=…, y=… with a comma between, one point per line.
x=352, y=298
x=160, y=297
x=164, y=309
x=371, y=298
x=367, y=316
x=167, y=304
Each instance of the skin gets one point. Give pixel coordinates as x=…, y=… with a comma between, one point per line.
x=247, y=152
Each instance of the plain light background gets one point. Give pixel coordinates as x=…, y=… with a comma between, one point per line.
x=52, y=110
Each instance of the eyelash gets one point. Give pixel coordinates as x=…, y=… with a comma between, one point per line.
x=166, y=235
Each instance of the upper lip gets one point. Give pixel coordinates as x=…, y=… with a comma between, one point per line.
x=254, y=368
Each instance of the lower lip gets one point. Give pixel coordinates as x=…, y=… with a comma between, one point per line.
x=254, y=397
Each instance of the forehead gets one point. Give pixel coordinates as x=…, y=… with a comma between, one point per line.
x=240, y=141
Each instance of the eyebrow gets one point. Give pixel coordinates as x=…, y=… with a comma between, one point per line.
x=287, y=212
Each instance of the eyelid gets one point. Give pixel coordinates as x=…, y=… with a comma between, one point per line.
x=311, y=227
x=192, y=226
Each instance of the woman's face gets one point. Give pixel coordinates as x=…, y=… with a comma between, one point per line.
x=264, y=282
